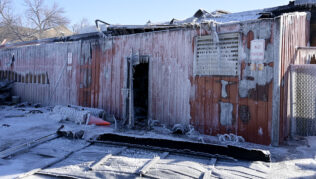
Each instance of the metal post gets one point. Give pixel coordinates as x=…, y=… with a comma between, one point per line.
x=131, y=96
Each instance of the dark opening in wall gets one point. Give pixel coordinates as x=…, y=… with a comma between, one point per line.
x=27, y=78
x=31, y=78
x=39, y=80
x=313, y=33
x=140, y=92
x=43, y=78
x=12, y=60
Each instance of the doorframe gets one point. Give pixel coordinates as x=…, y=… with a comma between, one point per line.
x=128, y=103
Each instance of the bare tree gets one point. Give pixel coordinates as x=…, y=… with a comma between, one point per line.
x=39, y=18
x=11, y=24
x=42, y=17
x=76, y=28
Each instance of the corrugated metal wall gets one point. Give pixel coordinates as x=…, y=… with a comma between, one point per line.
x=94, y=73
x=170, y=66
x=295, y=28
x=41, y=74
x=250, y=94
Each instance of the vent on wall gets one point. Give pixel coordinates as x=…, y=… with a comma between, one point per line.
x=218, y=58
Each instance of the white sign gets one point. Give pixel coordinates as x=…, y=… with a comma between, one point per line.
x=69, y=58
x=257, y=49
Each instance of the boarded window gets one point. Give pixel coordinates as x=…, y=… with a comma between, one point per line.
x=214, y=57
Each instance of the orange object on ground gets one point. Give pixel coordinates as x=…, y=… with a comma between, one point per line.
x=97, y=121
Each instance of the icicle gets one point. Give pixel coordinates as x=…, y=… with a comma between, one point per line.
x=305, y=54
x=215, y=35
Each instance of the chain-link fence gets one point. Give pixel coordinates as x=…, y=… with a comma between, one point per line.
x=303, y=100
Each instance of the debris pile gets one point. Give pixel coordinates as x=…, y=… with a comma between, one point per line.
x=94, y=111
x=71, y=114
x=230, y=138
x=5, y=91
x=80, y=115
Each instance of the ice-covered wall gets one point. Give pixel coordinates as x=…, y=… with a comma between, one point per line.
x=240, y=104
x=305, y=2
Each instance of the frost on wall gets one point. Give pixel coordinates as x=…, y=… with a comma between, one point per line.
x=305, y=2
x=304, y=55
x=257, y=59
x=226, y=118
x=217, y=56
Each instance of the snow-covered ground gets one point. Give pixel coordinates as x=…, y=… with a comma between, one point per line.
x=297, y=159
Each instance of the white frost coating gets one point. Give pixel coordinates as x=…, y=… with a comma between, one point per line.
x=304, y=2
x=223, y=18
x=304, y=56
x=94, y=111
x=230, y=138
x=71, y=114
x=260, y=131
x=92, y=28
x=226, y=118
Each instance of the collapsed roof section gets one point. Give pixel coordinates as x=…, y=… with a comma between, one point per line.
x=218, y=17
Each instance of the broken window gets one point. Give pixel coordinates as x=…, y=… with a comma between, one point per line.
x=217, y=56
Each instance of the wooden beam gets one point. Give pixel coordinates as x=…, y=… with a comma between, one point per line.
x=105, y=158
x=207, y=174
x=147, y=167
x=57, y=160
x=27, y=145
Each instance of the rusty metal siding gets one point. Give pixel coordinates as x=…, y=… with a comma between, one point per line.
x=98, y=75
x=295, y=33
x=251, y=114
x=38, y=65
x=169, y=86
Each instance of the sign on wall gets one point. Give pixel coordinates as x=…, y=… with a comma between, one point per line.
x=257, y=49
x=217, y=57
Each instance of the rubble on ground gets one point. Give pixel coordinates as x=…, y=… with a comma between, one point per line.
x=24, y=123
x=5, y=91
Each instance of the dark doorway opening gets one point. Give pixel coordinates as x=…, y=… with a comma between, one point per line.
x=140, y=93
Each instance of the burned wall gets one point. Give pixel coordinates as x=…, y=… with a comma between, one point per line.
x=295, y=32
x=93, y=73
x=241, y=103
x=40, y=73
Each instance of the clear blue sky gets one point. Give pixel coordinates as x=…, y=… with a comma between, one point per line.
x=140, y=11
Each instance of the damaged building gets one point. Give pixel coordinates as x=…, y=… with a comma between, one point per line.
x=219, y=72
